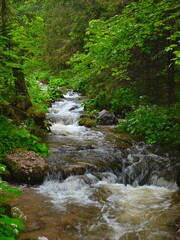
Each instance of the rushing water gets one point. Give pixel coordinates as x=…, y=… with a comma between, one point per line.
x=130, y=192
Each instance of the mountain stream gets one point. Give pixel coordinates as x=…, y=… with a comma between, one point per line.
x=121, y=190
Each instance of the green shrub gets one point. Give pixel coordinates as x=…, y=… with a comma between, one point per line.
x=43, y=76
x=10, y=223
x=12, y=137
x=56, y=88
x=156, y=124
x=123, y=100
x=10, y=228
x=38, y=95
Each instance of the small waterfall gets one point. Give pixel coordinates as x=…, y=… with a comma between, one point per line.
x=141, y=166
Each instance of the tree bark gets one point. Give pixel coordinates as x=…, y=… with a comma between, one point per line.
x=170, y=74
x=171, y=82
x=22, y=100
x=4, y=17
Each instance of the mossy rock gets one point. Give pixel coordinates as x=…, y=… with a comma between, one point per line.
x=87, y=122
x=27, y=167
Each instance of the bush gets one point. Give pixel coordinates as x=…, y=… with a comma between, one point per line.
x=123, y=100
x=38, y=94
x=10, y=228
x=43, y=76
x=10, y=223
x=155, y=123
x=55, y=88
x=12, y=137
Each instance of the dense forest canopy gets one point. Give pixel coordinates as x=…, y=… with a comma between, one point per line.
x=123, y=55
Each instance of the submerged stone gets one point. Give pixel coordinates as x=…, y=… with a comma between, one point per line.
x=79, y=169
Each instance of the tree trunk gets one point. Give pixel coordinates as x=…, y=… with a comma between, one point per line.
x=4, y=17
x=170, y=76
x=22, y=100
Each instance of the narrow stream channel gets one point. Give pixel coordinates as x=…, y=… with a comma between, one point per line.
x=125, y=192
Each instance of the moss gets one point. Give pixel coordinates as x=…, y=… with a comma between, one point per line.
x=39, y=132
x=36, y=113
x=6, y=109
x=39, y=116
x=87, y=122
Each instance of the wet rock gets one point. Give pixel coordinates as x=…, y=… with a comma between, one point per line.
x=123, y=144
x=68, y=223
x=88, y=147
x=177, y=236
x=74, y=107
x=178, y=177
x=106, y=118
x=79, y=169
x=27, y=167
x=87, y=116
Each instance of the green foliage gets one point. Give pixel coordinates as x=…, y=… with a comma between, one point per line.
x=38, y=94
x=41, y=148
x=99, y=101
x=43, y=76
x=65, y=35
x=155, y=124
x=12, y=137
x=123, y=100
x=112, y=44
x=56, y=88
x=5, y=188
x=10, y=227
x=28, y=32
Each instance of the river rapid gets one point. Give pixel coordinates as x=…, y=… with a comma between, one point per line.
x=126, y=192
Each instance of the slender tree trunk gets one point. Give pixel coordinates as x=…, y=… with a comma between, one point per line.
x=171, y=83
x=4, y=17
x=170, y=74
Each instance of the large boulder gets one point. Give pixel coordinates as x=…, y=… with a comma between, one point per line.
x=27, y=167
x=106, y=117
